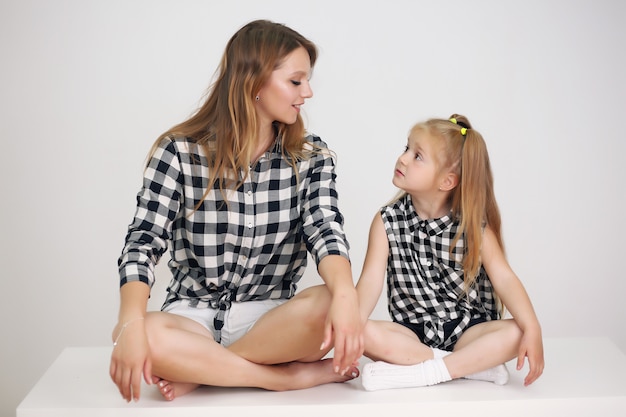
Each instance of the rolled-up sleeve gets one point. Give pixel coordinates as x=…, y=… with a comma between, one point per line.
x=158, y=203
x=322, y=220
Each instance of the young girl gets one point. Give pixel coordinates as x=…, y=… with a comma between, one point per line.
x=440, y=245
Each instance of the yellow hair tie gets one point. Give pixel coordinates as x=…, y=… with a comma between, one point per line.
x=463, y=130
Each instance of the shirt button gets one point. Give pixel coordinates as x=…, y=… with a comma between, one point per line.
x=249, y=225
x=249, y=192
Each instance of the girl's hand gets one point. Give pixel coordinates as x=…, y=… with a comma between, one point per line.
x=130, y=358
x=531, y=347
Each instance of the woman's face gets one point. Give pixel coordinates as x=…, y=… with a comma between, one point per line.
x=284, y=93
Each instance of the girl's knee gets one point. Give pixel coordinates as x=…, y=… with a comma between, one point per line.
x=512, y=330
x=371, y=333
x=511, y=335
x=375, y=334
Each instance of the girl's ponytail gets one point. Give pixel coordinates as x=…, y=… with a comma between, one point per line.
x=473, y=202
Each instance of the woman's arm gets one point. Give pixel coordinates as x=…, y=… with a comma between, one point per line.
x=322, y=227
x=146, y=241
x=515, y=298
x=343, y=316
x=131, y=355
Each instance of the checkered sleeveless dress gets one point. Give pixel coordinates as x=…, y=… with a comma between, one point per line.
x=425, y=276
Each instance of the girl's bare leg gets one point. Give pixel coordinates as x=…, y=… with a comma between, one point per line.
x=484, y=346
x=394, y=343
x=481, y=348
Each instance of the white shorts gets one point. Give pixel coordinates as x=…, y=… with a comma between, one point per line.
x=238, y=320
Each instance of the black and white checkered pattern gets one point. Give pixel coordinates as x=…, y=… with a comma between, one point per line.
x=252, y=248
x=425, y=278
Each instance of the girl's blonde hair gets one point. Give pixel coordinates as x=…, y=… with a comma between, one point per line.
x=472, y=201
x=226, y=125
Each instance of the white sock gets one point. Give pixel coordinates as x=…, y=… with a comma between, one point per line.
x=499, y=375
x=440, y=353
x=383, y=375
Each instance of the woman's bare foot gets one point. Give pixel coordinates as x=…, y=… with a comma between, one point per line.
x=301, y=375
x=170, y=390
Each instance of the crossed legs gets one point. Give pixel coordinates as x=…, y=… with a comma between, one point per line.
x=280, y=352
x=479, y=354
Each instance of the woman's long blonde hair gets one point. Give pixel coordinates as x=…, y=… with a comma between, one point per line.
x=226, y=125
x=472, y=201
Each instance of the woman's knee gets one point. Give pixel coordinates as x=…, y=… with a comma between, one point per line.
x=315, y=298
x=156, y=324
x=160, y=327
x=317, y=293
x=312, y=305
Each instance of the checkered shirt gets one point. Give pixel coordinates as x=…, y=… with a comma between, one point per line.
x=253, y=247
x=425, y=279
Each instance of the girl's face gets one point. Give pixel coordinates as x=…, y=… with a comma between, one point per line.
x=284, y=93
x=417, y=169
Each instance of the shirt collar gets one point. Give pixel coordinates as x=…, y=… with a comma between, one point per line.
x=431, y=227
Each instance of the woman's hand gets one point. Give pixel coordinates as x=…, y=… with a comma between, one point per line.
x=130, y=358
x=345, y=325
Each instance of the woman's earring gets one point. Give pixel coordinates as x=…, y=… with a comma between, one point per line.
x=257, y=98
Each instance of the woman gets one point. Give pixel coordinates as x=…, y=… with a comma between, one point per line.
x=241, y=195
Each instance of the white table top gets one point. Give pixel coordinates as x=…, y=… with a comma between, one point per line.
x=583, y=376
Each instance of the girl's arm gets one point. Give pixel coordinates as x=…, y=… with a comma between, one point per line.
x=515, y=298
x=372, y=279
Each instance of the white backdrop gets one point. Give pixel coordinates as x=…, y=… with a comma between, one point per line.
x=87, y=86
